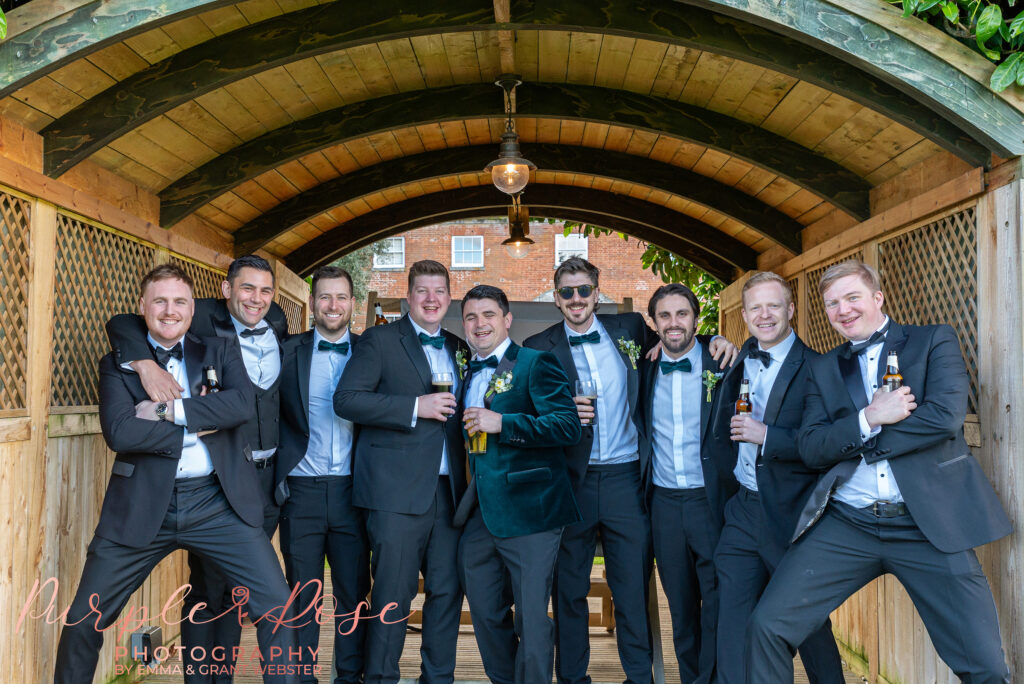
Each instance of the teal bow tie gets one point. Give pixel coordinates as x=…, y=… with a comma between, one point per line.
x=340, y=347
x=591, y=337
x=489, y=362
x=682, y=365
x=436, y=342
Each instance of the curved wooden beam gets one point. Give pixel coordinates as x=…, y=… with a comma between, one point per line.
x=713, y=251
x=881, y=49
x=823, y=177
x=70, y=33
x=316, y=30
x=618, y=165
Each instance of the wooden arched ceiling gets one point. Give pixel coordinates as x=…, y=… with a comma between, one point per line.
x=754, y=118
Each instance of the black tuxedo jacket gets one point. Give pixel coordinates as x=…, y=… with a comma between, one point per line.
x=395, y=466
x=944, y=488
x=784, y=481
x=127, y=332
x=298, y=358
x=142, y=477
x=715, y=453
x=630, y=326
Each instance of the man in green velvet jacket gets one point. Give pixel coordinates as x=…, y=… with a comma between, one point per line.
x=519, y=498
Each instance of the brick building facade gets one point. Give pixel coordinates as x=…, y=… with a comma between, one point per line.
x=473, y=253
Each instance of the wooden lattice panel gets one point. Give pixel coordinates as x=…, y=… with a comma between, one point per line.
x=293, y=312
x=97, y=275
x=206, y=281
x=733, y=328
x=819, y=333
x=929, y=275
x=14, y=278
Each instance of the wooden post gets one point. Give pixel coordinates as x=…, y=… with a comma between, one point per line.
x=1001, y=410
x=627, y=305
x=36, y=526
x=371, y=301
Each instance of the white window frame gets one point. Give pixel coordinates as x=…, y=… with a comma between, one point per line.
x=400, y=266
x=560, y=247
x=477, y=239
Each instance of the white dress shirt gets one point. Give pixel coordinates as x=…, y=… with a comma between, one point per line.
x=874, y=482
x=676, y=423
x=330, y=436
x=440, y=362
x=761, y=382
x=195, y=457
x=478, y=383
x=615, y=436
x=262, y=357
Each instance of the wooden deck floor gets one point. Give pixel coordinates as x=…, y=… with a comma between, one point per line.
x=604, y=660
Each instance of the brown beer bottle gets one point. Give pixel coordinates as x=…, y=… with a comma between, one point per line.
x=211, y=382
x=743, y=403
x=892, y=380
x=379, y=311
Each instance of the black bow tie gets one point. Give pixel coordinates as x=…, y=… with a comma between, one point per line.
x=436, y=342
x=477, y=366
x=164, y=355
x=591, y=337
x=681, y=365
x=340, y=347
x=855, y=348
x=254, y=331
x=764, y=357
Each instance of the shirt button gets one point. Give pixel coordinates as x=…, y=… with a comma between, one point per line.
x=883, y=474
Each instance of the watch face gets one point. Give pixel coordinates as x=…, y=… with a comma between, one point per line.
x=161, y=410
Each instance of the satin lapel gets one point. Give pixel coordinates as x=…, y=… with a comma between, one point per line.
x=222, y=324
x=415, y=350
x=708, y=363
x=507, y=363
x=787, y=372
x=650, y=371
x=849, y=368
x=303, y=362
x=451, y=346
x=560, y=348
x=610, y=324
x=895, y=340
x=194, y=351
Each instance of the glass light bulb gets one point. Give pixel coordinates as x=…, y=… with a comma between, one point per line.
x=510, y=178
x=518, y=249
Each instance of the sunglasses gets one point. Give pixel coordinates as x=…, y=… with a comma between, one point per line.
x=583, y=290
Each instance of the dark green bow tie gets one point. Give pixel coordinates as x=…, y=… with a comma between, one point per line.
x=476, y=366
x=340, y=347
x=682, y=365
x=591, y=337
x=435, y=342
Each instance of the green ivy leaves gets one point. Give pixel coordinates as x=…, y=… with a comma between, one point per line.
x=3, y=25
x=1000, y=38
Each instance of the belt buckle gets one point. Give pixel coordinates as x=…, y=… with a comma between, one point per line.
x=875, y=508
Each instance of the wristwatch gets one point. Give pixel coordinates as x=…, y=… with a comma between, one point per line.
x=161, y=411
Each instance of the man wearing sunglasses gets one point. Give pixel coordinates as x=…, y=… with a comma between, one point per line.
x=607, y=473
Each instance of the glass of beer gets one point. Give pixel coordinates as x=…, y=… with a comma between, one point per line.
x=442, y=382
x=477, y=443
x=587, y=389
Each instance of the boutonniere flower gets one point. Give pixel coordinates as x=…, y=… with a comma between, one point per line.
x=460, y=361
x=711, y=381
x=630, y=349
x=498, y=384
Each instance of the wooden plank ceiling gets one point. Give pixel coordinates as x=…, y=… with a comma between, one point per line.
x=160, y=151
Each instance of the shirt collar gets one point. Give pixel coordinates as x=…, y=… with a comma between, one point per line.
x=694, y=355
x=885, y=322
x=780, y=351
x=418, y=329
x=154, y=343
x=239, y=326
x=499, y=351
x=594, y=325
x=317, y=337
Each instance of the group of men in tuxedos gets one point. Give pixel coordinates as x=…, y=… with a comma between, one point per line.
x=760, y=523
